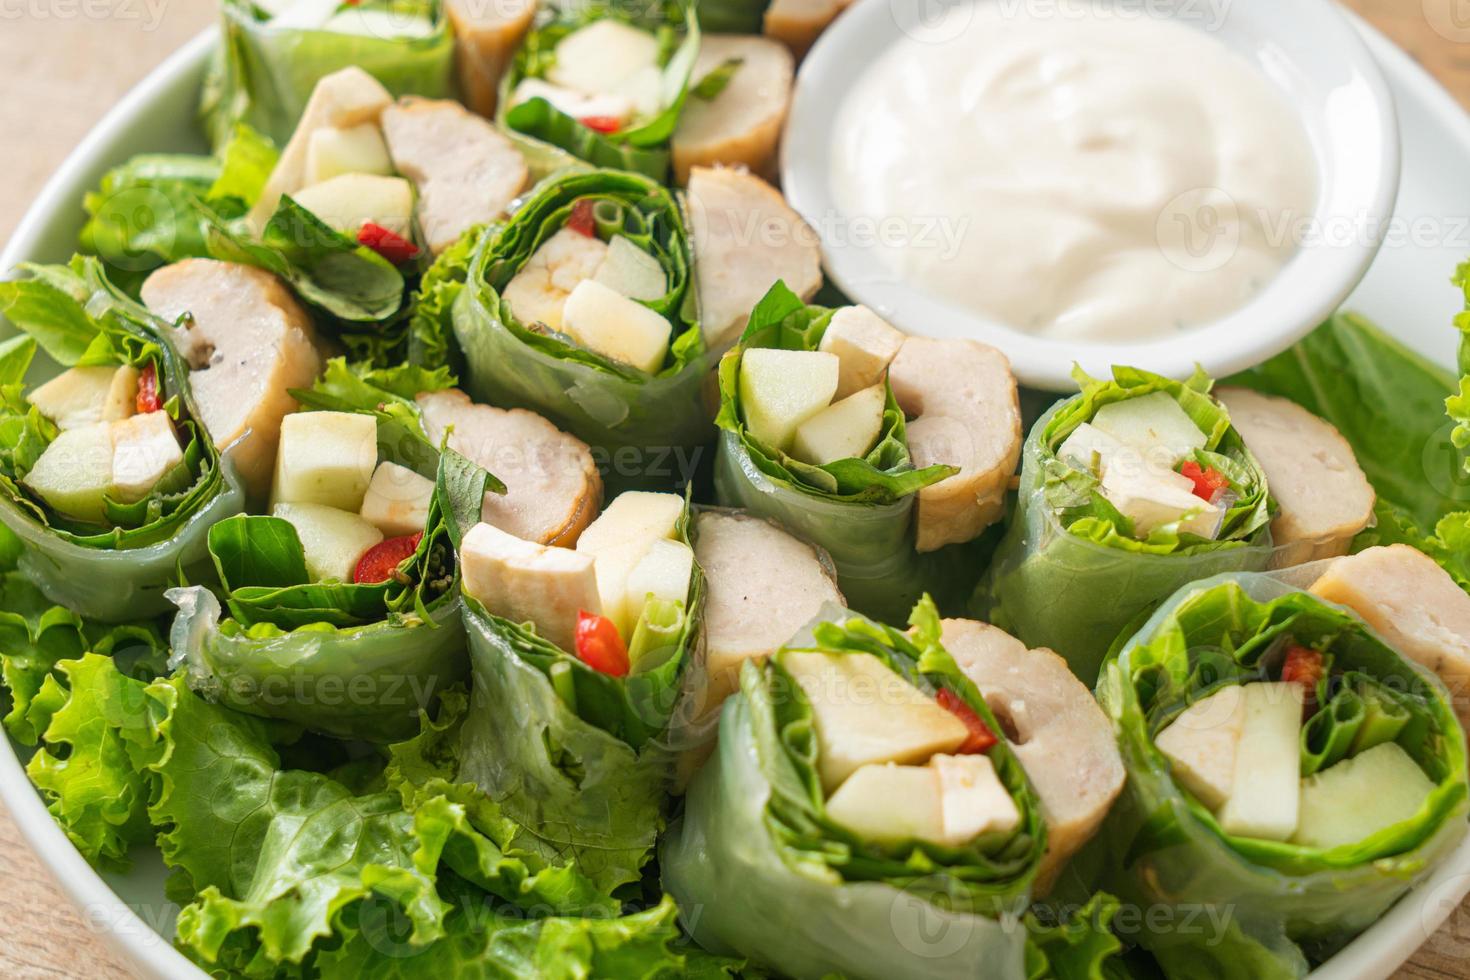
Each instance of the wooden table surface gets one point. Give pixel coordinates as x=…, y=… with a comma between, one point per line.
x=67, y=61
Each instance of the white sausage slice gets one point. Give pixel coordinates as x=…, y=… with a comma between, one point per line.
x=466, y=171
x=552, y=487
x=1325, y=499
x=745, y=238
x=962, y=399
x=486, y=35
x=248, y=344
x=1057, y=730
x=742, y=125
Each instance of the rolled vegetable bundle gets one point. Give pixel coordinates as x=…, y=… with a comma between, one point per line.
x=274, y=51
x=107, y=474
x=580, y=309
x=862, y=814
x=1290, y=776
x=1128, y=491
x=341, y=608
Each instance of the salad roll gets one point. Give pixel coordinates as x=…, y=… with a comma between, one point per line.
x=863, y=809
x=1055, y=728
x=109, y=475
x=605, y=82
x=340, y=608
x=274, y=51
x=579, y=308
x=736, y=107
x=1323, y=497
x=486, y=36
x=578, y=656
x=815, y=436
x=1290, y=773
x=1128, y=491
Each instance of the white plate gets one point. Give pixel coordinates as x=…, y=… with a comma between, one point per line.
x=1407, y=290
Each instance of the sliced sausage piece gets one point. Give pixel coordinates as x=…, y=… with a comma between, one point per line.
x=745, y=238
x=1325, y=499
x=762, y=585
x=1413, y=604
x=798, y=23
x=962, y=399
x=465, y=170
x=485, y=37
x=552, y=487
x=1056, y=728
x=342, y=99
x=248, y=343
x=742, y=125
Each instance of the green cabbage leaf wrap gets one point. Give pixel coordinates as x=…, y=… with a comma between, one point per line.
x=647, y=431
x=778, y=881
x=118, y=570
x=1070, y=573
x=579, y=759
x=1257, y=908
x=263, y=74
x=348, y=659
x=861, y=511
x=641, y=148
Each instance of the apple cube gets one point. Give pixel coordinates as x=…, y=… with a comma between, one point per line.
x=780, y=389
x=973, y=801
x=1151, y=498
x=629, y=270
x=864, y=343
x=326, y=458
x=397, y=500
x=333, y=540
x=645, y=89
x=635, y=516
x=350, y=201
x=85, y=395
x=1152, y=422
x=1360, y=796
x=602, y=56
x=332, y=152
x=74, y=474
x=615, y=326
x=526, y=582
x=1201, y=742
x=144, y=449
x=845, y=429
x=1264, y=796
x=887, y=803
x=1089, y=449
x=663, y=573
x=865, y=713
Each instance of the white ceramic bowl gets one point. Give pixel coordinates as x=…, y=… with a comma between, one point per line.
x=1305, y=47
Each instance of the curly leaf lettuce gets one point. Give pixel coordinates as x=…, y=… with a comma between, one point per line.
x=1284, y=906
x=1070, y=573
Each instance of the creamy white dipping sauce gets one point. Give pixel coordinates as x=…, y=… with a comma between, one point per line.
x=1093, y=177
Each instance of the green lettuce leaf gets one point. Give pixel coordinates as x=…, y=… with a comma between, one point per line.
x=431, y=341
x=1080, y=946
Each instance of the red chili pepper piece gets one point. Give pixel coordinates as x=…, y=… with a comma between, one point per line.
x=390, y=245
x=1207, y=481
x=1304, y=666
x=381, y=560
x=581, y=220
x=147, y=399
x=602, y=124
x=599, y=646
x=981, y=738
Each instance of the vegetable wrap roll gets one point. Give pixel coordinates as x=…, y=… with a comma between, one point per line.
x=863, y=814
x=341, y=608
x=605, y=81
x=1290, y=776
x=108, y=474
x=812, y=408
x=578, y=657
x=580, y=309
x=1128, y=491
x=274, y=51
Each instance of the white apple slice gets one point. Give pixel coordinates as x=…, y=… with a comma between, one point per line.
x=1360, y=796
x=615, y=326
x=602, y=56
x=663, y=573
x=326, y=458
x=635, y=516
x=74, y=473
x=397, y=500
x=645, y=90
x=1152, y=424
x=1201, y=745
x=865, y=344
x=845, y=429
x=144, y=449
x=1152, y=497
x=526, y=582
x=865, y=713
x=332, y=152
x=631, y=271
x=1264, y=798
x=350, y=201
x=973, y=801
x=332, y=540
x=307, y=15
x=780, y=389
x=85, y=395
x=888, y=803
x=1089, y=449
